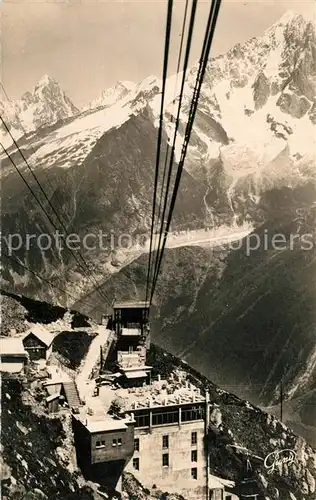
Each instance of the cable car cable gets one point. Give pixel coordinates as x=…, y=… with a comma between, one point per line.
x=172, y=115
x=185, y=67
x=54, y=192
x=50, y=284
x=164, y=77
x=210, y=30
x=103, y=296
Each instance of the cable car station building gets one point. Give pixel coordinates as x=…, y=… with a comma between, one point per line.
x=133, y=341
x=158, y=429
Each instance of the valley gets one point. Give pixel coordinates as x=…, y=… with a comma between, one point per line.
x=251, y=153
x=210, y=309
x=244, y=321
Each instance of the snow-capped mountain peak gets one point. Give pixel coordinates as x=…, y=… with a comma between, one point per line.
x=289, y=25
x=45, y=105
x=145, y=92
x=44, y=81
x=148, y=83
x=293, y=17
x=127, y=92
x=288, y=17
x=112, y=95
x=260, y=94
x=127, y=84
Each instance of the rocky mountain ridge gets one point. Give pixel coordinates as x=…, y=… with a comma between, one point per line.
x=110, y=191
x=255, y=123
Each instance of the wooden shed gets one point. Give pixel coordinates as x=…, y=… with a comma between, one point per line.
x=37, y=342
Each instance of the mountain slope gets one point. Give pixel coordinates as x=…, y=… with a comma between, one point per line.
x=110, y=192
x=299, y=413
x=239, y=432
x=255, y=126
x=273, y=74
x=19, y=312
x=35, y=459
x=244, y=317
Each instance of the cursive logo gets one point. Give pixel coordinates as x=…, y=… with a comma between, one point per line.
x=277, y=458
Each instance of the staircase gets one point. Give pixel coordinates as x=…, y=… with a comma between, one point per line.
x=69, y=442
x=72, y=395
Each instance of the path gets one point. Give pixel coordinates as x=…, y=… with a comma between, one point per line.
x=84, y=384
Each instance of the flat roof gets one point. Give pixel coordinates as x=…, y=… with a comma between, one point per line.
x=105, y=425
x=131, y=332
x=102, y=423
x=12, y=346
x=132, y=368
x=130, y=304
x=135, y=374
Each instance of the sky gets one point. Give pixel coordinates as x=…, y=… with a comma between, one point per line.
x=88, y=45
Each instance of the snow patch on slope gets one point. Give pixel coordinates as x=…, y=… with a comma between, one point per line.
x=70, y=144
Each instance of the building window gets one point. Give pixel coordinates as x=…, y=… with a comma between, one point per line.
x=100, y=444
x=194, y=473
x=114, y=442
x=142, y=420
x=193, y=413
x=228, y=497
x=193, y=438
x=165, y=441
x=136, y=444
x=165, y=460
x=119, y=442
x=194, y=456
x=168, y=417
x=136, y=463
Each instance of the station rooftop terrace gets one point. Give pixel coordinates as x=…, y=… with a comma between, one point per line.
x=174, y=391
x=160, y=393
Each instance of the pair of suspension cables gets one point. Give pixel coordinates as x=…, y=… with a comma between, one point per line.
x=169, y=177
